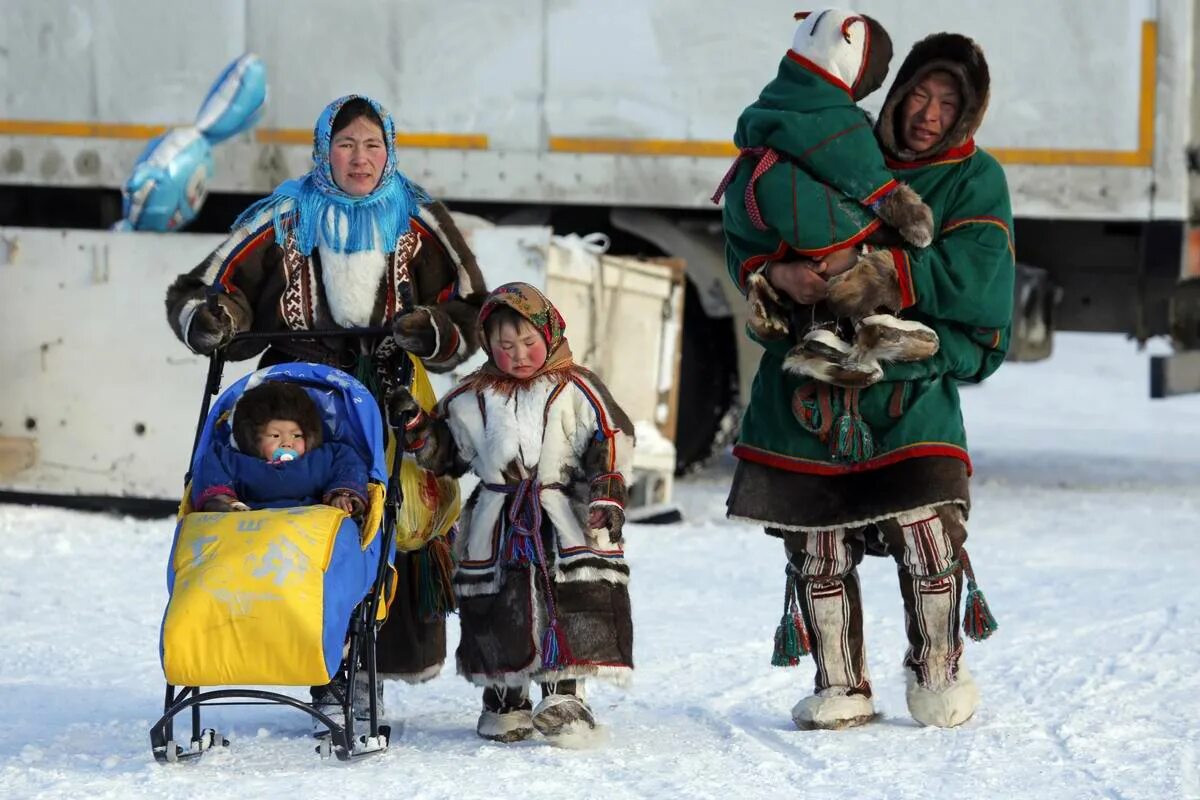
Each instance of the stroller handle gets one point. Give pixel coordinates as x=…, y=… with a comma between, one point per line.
x=332, y=333
x=213, y=304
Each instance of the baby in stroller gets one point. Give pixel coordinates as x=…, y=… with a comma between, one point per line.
x=292, y=571
x=278, y=460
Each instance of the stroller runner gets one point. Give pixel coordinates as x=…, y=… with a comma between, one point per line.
x=281, y=596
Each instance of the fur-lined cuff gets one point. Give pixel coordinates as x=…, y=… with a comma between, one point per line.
x=908, y=291
x=608, y=489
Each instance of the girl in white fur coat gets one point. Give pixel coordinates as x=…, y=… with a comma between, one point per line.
x=540, y=573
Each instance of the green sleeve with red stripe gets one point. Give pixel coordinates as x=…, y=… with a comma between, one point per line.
x=966, y=276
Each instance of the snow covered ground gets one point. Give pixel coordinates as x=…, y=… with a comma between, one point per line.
x=1083, y=537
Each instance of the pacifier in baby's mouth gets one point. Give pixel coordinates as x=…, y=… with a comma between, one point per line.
x=284, y=454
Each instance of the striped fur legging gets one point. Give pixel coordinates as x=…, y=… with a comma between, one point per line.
x=925, y=544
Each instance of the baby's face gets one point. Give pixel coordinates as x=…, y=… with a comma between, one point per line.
x=280, y=433
x=518, y=351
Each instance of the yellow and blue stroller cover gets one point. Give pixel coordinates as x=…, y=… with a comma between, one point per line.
x=266, y=596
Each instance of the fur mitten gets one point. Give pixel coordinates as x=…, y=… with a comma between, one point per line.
x=422, y=331
x=768, y=309
x=209, y=329
x=870, y=284
x=405, y=413
x=612, y=518
x=607, y=496
x=903, y=209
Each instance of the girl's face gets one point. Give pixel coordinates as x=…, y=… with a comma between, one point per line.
x=280, y=433
x=519, y=351
x=357, y=156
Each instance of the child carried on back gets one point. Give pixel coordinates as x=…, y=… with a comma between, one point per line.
x=277, y=458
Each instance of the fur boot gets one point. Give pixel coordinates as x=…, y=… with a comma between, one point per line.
x=564, y=717
x=768, y=311
x=903, y=209
x=944, y=706
x=825, y=357
x=506, y=715
x=870, y=284
x=833, y=709
x=883, y=337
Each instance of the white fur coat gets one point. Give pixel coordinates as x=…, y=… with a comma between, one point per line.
x=543, y=429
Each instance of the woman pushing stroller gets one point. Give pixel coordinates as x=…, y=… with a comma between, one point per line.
x=353, y=243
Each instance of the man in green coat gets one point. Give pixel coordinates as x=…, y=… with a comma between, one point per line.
x=840, y=472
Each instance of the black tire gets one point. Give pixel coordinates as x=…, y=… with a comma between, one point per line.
x=707, y=381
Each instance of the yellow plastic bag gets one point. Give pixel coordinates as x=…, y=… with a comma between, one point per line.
x=431, y=504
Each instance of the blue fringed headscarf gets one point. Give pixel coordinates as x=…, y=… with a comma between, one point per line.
x=323, y=207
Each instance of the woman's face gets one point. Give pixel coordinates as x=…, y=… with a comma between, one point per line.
x=518, y=351
x=358, y=156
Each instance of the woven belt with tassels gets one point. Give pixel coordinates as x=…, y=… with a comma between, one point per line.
x=523, y=545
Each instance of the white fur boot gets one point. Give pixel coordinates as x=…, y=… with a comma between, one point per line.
x=505, y=726
x=946, y=706
x=832, y=709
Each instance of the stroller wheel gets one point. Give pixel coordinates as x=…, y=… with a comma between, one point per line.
x=171, y=752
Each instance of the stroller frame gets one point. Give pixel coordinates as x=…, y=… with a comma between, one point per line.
x=341, y=741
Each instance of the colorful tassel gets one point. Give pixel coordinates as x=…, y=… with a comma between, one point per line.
x=978, y=620
x=791, y=635
x=552, y=649
x=520, y=550
x=852, y=439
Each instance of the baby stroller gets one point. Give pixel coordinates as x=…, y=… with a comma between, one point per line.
x=281, y=597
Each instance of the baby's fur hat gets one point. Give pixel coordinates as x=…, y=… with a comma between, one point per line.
x=275, y=400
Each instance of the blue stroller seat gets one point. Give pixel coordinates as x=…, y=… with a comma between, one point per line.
x=269, y=597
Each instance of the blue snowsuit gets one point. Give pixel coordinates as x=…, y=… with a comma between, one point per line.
x=281, y=484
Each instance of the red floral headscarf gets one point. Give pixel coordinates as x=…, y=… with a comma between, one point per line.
x=528, y=301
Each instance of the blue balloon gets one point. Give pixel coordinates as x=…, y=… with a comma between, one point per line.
x=236, y=101
x=169, y=181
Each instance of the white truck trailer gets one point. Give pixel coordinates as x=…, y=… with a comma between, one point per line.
x=616, y=116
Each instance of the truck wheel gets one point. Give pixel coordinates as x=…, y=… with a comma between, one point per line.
x=707, y=382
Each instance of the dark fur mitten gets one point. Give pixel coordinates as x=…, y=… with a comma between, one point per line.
x=404, y=413
x=423, y=331
x=211, y=328
x=870, y=284
x=769, y=312
x=903, y=209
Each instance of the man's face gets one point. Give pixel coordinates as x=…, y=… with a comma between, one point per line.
x=929, y=111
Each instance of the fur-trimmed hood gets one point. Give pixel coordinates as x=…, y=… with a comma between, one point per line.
x=955, y=54
x=275, y=400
